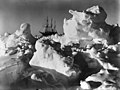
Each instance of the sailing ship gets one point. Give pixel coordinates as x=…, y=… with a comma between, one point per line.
x=49, y=28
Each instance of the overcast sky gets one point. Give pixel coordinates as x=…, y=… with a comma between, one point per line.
x=15, y=12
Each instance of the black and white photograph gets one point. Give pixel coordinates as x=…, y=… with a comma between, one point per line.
x=59, y=44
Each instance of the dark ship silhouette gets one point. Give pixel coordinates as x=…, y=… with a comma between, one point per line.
x=49, y=28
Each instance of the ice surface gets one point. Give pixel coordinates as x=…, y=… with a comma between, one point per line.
x=87, y=56
x=86, y=35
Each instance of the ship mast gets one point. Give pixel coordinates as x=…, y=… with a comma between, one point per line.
x=54, y=28
x=46, y=25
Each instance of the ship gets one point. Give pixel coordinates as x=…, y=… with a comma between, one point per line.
x=49, y=28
